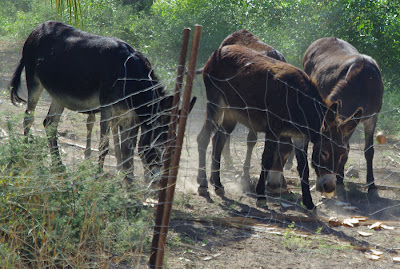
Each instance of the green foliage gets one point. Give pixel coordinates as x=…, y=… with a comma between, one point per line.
x=155, y=27
x=61, y=220
x=390, y=113
x=308, y=243
x=73, y=7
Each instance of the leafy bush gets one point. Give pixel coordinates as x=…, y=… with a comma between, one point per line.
x=19, y=18
x=50, y=220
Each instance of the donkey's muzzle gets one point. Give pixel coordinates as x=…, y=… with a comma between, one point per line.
x=327, y=185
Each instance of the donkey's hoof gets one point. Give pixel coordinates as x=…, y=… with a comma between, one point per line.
x=277, y=189
x=219, y=191
x=310, y=206
x=88, y=154
x=203, y=191
x=262, y=202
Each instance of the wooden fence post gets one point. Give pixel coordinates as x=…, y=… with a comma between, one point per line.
x=169, y=147
x=178, y=149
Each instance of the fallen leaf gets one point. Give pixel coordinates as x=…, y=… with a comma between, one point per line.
x=396, y=259
x=334, y=221
x=381, y=138
x=387, y=227
x=375, y=226
x=372, y=256
x=350, y=208
x=285, y=205
x=208, y=258
x=150, y=202
x=364, y=233
x=376, y=252
x=340, y=203
x=360, y=218
x=216, y=255
x=350, y=222
x=354, y=221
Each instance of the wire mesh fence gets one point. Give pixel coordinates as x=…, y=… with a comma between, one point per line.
x=86, y=218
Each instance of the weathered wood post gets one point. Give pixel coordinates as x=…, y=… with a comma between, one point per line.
x=171, y=169
x=170, y=146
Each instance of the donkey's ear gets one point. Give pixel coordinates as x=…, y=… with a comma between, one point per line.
x=330, y=116
x=350, y=124
x=355, y=69
x=192, y=102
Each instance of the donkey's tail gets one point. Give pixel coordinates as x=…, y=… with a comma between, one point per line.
x=15, y=84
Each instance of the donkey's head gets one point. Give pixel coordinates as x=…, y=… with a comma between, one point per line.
x=153, y=140
x=331, y=149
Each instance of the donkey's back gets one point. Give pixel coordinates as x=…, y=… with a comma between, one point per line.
x=251, y=41
x=342, y=73
x=252, y=85
x=74, y=66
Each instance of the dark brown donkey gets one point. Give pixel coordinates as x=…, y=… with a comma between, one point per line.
x=274, y=97
x=275, y=179
x=342, y=73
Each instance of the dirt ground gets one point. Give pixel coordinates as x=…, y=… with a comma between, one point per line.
x=231, y=232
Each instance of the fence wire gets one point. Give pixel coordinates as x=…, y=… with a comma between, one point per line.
x=86, y=218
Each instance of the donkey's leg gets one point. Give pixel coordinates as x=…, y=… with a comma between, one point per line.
x=128, y=144
x=369, y=129
x=276, y=182
x=251, y=142
x=117, y=144
x=133, y=136
x=89, y=127
x=34, y=92
x=301, y=147
x=289, y=162
x=340, y=189
x=226, y=152
x=105, y=117
x=203, y=139
x=219, y=140
x=270, y=147
x=50, y=124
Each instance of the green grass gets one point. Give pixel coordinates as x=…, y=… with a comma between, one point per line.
x=311, y=243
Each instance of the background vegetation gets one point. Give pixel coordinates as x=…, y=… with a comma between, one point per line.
x=155, y=26
x=56, y=231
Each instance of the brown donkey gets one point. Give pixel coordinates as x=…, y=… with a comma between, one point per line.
x=277, y=98
x=342, y=73
x=276, y=181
